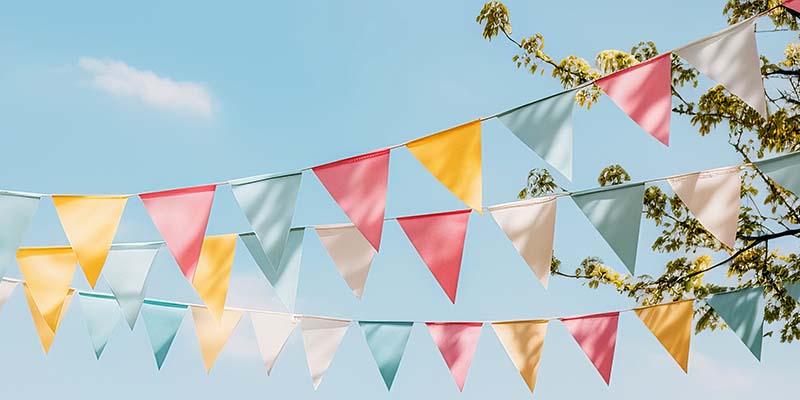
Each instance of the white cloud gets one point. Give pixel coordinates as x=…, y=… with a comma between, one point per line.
x=120, y=79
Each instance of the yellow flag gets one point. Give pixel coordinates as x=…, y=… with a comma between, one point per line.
x=212, y=334
x=90, y=223
x=523, y=341
x=48, y=272
x=46, y=335
x=454, y=158
x=213, y=273
x=671, y=323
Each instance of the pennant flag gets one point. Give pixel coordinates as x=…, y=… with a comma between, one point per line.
x=530, y=225
x=162, y=321
x=439, y=240
x=713, y=197
x=644, y=92
x=616, y=213
x=523, y=341
x=457, y=342
x=546, y=127
x=671, y=324
x=286, y=277
x=597, y=336
x=730, y=57
x=213, y=334
x=181, y=216
x=6, y=289
x=46, y=334
x=784, y=170
x=268, y=202
x=743, y=312
x=792, y=5
x=213, y=272
x=272, y=332
x=48, y=272
x=16, y=213
x=454, y=158
x=351, y=253
x=321, y=338
x=387, y=343
x=794, y=290
x=358, y=185
x=102, y=316
x=126, y=271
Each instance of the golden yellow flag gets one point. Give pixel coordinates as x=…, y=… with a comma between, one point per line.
x=46, y=335
x=213, y=273
x=90, y=223
x=523, y=341
x=212, y=334
x=454, y=158
x=48, y=272
x=671, y=323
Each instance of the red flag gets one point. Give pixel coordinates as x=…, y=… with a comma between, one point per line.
x=597, y=336
x=792, y=5
x=457, y=342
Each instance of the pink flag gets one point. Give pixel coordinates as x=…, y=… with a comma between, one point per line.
x=457, y=342
x=644, y=93
x=181, y=217
x=597, y=336
x=792, y=4
x=358, y=185
x=439, y=240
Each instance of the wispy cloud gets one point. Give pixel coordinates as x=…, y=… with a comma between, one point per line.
x=120, y=79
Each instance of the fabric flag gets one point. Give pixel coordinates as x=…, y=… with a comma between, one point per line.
x=48, y=273
x=321, y=338
x=102, y=316
x=616, y=212
x=46, y=334
x=671, y=323
x=268, y=202
x=272, y=332
x=127, y=270
x=644, y=92
x=16, y=213
x=793, y=5
x=387, y=343
x=162, y=321
x=713, y=197
x=6, y=289
x=358, y=185
x=286, y=277
x=213, y=334
x=523, y=341
x=597, y=336
x=784, y=170
x=351, y=253
x=181, y=217
x=794, y=290
x=439, y=240
x=213, y=274
x=454, y=158
x=730, y=57
x=743, y=312
x=457, y=342
x=530, y=225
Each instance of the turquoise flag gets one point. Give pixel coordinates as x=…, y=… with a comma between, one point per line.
x=794, y=290
x=387, y=342
x=743, y=311
x=785, y=170
x=286, y=277
x=16, y=213
x=546, y=127
x=162, y=321
x=102, y=316
x=126, y=271
x=616, y=212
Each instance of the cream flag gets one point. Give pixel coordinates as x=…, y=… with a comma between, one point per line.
x=272, y=331
x=6, y=289
x=350, y=251
x=321, y=338
x=212, y=334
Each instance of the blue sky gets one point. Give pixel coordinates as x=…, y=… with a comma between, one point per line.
x=218, y=91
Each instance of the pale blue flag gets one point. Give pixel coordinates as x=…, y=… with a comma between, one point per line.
x=162, y=321
x=102, y=316
x=126, y=271
x=743, y=311
x=16, y=213
x=546, y=127
x=286, y=277
x=794, y=290
x=387, y=342
x=785, y=170
x=616, y=212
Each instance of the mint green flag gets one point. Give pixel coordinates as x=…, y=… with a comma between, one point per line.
x=546, y=127
x=102, y=316
x=743, y=311
x=616, y=212
x=162, y=321
x=285, y=278
x=16, y=213
x=126, y=270
x=387, y=342
x=794, y=290
x=785, y=170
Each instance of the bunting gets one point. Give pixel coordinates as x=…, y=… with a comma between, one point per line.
x=597, y=336
x=16, y=213
x=743, y=312
x=102, y=316
x=351, y=253
x=321, y=338
x=457, y=342
x=213, y=274
x=793, y=290
x=387, y=342
x=523, y=341
x=43, y=329
x=162, y=321
x=6, y=290
x=286, y=277
x=784, y=170
x=272, y=332
x=671, y=324
x=127, y=270
x=793, y=5
x=212, y=334
x=48, y=272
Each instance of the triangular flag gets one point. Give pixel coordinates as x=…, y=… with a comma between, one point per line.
x=213, y=274
x=351, y=253
x=784, y=170
x=213, y=334
x=358, y=185
x=126, y=271
x=90, y=223
x=793, y=5
x=321, y=338
x=286, y=277
x=439, y=240
x=530, y=225
x=162, y=321
x=546, y=127
x=644, y=92
x=102, y=316
x=616, y=212
x=181, y=216
x=268, y=202
x=16, y=214
x=272, y=332
x=387, y=343
x=46, y=334
x=713, y=197
x=6, y=289
x=743, y=312
x=671, y=324
x=731, y=58
x=523, y=341
x=454, y=158
x=48, y=272
x=794, y=288
x=457, y=342
x=597, y=336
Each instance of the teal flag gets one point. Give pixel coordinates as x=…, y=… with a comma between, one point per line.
x=16, y=213
x=162, y=321
x=126, y=270
x=546, y=127
x=616, y=212
x=794, y=290
x=743, y=311
x=102, y=316
x=785, y=170
x=387, y=342
x=286, y=277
